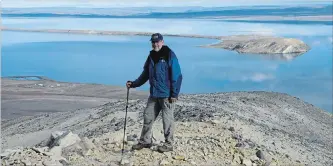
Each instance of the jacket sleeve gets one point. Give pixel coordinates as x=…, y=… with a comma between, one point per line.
x=143, y=78
x=175, y=75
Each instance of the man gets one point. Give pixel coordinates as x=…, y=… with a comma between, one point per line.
x=164, y=74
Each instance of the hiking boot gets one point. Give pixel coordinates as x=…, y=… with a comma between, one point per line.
x=140, y=146
x=165, y=148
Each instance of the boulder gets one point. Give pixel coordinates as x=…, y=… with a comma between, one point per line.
x=64, y=140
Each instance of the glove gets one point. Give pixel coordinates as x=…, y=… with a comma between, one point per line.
x=129, y=84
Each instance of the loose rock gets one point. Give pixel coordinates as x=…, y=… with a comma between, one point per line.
x=179, y=157
x=260, y=155
x=66, y=140
x=247, y=162
x=164, y=163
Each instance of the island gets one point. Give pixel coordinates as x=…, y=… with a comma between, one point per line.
x=262, y=44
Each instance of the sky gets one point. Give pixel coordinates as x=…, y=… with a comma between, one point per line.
x=151, y=3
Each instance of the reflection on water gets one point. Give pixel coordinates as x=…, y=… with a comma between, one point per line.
x=32, y=78
x=276, y=57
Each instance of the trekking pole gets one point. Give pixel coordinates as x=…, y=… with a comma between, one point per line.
x=122, y=151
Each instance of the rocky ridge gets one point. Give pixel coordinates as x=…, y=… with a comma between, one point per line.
x=249, y=128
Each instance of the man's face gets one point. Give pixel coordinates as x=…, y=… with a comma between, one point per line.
x=157, y=45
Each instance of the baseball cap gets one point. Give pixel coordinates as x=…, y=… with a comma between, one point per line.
x=156, y=37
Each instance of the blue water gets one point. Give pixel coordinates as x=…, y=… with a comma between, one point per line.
x=115, y=59
x=298, y=22
x=173, y=26
x=175, y=13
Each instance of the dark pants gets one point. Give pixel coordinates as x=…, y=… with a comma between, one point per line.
x=152, y=110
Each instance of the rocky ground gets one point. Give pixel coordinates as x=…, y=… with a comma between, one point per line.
x=234, y=128
x=30, y=95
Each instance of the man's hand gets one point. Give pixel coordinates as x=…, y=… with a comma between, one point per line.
x=128, y=84
x=172, y=100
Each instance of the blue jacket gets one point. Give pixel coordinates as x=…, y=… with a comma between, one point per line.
x=163, y=71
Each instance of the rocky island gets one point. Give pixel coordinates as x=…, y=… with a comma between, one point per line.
x=82, y=124
x=261, y=44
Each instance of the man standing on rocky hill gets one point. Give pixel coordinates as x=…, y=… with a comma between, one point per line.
x=163, y=71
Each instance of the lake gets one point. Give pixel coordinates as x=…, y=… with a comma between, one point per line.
x=113, y=60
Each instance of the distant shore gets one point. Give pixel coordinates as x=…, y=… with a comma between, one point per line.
x=103, y=32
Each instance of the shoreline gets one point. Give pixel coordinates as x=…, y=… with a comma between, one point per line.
x=134, y=33
x=104, y=32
